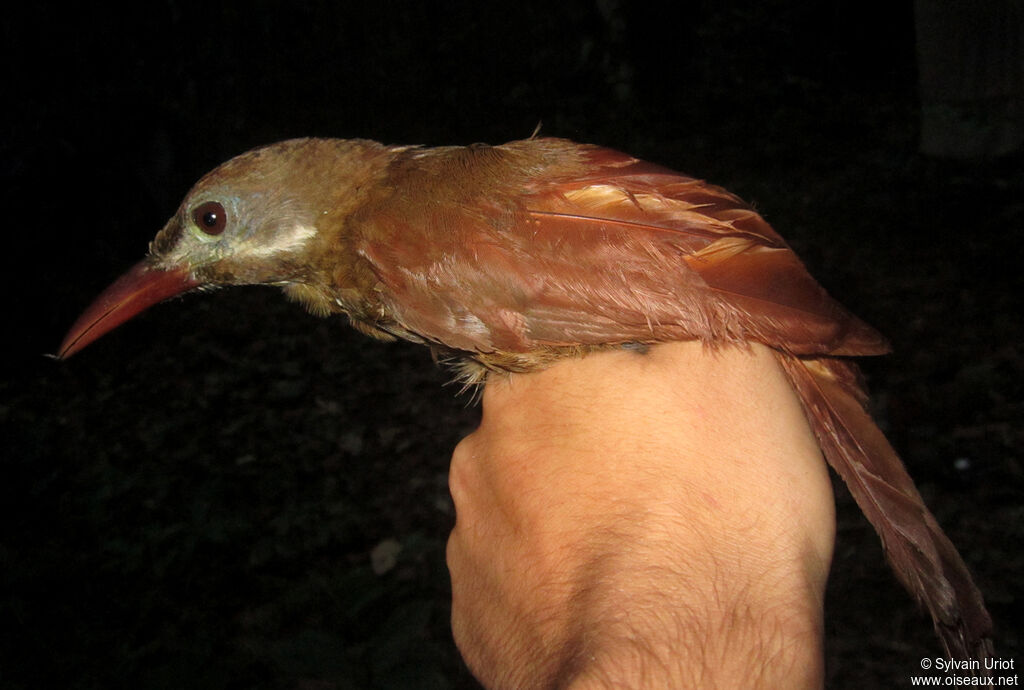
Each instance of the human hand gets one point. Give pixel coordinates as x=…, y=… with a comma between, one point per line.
x=657, y=520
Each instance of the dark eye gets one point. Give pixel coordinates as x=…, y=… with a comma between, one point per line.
x=210, y=218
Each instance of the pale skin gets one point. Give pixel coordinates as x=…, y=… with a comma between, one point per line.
x=632, y=520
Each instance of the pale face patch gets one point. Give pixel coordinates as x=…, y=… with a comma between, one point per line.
x=282, y=242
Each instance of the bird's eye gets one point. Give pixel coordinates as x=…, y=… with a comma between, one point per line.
x=210, y=218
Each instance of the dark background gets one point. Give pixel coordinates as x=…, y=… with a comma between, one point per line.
x=193, y=500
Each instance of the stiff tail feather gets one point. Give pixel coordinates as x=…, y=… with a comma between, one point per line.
x=922, y=556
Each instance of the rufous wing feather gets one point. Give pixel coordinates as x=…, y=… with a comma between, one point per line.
x=623, y=251
x=921, y=555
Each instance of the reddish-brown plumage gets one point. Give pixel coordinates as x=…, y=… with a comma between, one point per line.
x=595, y=248
x=510, y=257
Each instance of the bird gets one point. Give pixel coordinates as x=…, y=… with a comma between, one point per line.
x=509, y=258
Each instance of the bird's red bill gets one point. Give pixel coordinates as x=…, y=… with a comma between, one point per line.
x=134, y=292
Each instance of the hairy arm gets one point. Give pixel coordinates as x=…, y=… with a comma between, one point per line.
x=658, y=520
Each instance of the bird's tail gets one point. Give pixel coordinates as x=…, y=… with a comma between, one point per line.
x=924, y=559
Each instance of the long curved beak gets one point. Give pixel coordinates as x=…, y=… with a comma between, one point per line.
x=134, y=292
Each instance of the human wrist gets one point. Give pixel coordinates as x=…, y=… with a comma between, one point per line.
x=712, y=634
x=662, y=609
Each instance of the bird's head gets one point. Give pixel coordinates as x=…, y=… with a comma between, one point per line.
x=257, y=219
